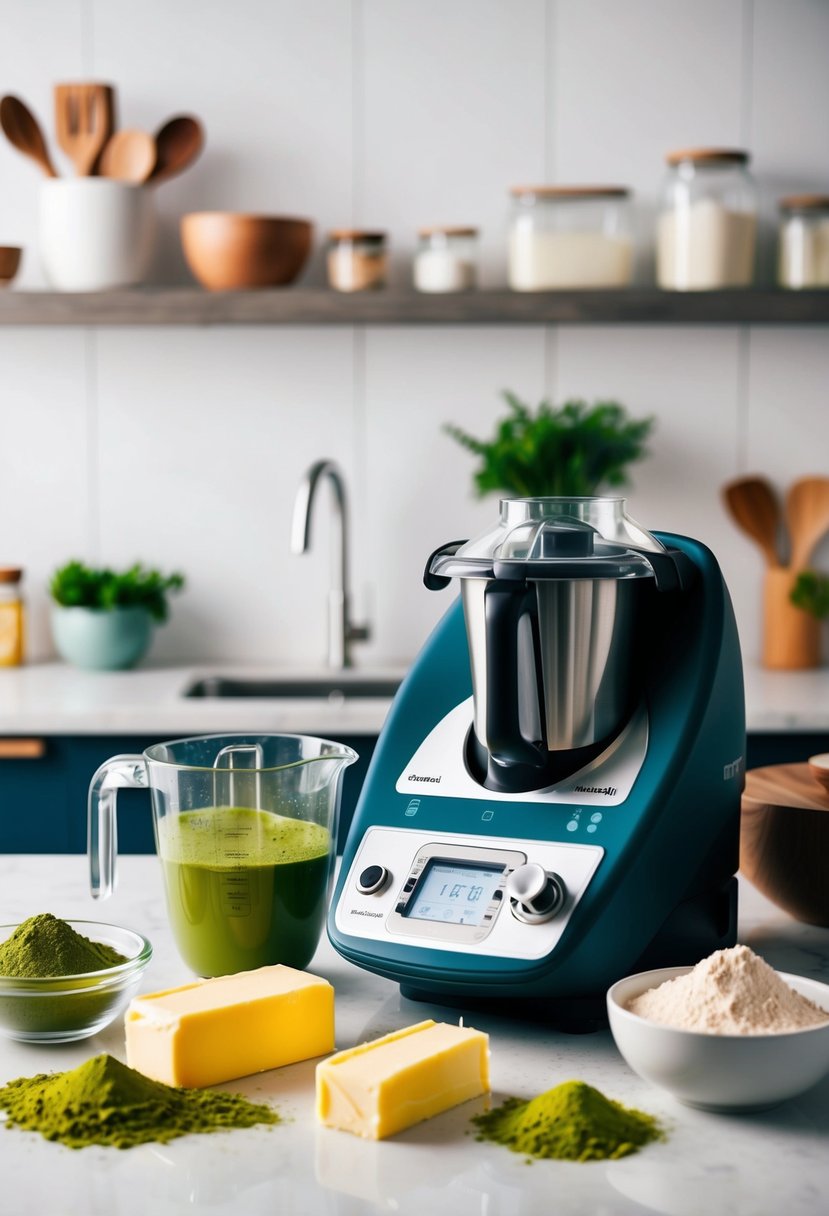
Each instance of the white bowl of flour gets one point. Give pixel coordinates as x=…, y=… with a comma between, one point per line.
x=729, y=1034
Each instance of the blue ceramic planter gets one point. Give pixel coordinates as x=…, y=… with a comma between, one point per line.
x=101, y=639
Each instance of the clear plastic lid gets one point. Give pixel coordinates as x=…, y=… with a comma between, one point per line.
x=555, y=538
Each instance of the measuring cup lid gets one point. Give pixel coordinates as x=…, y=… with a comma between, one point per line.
x=544, y=538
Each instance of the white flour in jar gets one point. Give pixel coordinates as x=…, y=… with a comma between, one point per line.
x=705, y=247
x=730, y=992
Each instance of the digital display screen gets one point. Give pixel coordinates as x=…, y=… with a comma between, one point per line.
x=456, y=894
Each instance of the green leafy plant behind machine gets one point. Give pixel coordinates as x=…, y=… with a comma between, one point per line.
x=569, y=450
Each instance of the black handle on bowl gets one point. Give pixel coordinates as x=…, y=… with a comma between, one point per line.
x=505, y=603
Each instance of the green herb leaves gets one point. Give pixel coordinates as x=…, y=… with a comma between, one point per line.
x=567, y=451
x=811, y=593
x=78, y=586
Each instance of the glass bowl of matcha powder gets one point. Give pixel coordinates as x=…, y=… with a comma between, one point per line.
x=66, y=980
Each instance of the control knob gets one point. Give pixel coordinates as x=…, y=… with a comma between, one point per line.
x=373, y=880
x=534, y=895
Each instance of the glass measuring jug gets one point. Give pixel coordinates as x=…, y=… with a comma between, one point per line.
x=245, y=830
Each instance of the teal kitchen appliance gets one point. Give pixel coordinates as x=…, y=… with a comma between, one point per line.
x=554, y=800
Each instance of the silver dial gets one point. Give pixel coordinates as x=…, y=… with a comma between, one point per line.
x=534, y=895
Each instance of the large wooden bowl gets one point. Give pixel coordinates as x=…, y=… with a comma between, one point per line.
x=9, y=263
x=784, y=840
x=228, y=251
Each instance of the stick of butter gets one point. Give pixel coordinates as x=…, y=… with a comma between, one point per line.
x=379, y=1088
x=215, y=1030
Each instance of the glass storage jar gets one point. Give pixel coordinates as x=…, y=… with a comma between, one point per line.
x=446, y=259
x=804, y=241
x=570, y=237
x=707, y=227
x=12, y=617
x=357, y=260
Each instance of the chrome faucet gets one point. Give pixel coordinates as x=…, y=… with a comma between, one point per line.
x=341, y=630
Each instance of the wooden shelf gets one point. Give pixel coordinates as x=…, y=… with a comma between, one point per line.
x=319, y=306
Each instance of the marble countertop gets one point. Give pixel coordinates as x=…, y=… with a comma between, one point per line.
x=55, y=699
x=750, y=1165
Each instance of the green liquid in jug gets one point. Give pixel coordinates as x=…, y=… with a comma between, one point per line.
x=245, y=888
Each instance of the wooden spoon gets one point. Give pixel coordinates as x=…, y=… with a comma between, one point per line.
x=129, y=156
x=178, y=143
x=807, y=514
x=22, y=130
x=754, y=508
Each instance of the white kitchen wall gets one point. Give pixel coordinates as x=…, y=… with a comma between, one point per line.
x=185, y=446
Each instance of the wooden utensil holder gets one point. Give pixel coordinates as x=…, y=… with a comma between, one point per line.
x=791, y=636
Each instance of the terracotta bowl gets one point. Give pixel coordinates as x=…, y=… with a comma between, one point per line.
x=784, y=840
x=9, y=262
x=227, y=251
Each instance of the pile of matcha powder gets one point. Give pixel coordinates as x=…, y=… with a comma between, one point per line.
x=104, y=1102
x=46, y=947
x=573, y=1122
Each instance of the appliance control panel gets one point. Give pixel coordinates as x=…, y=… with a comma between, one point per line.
x=496, y=897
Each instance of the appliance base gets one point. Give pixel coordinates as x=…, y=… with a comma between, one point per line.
x=576, y=1015
x=696, y=928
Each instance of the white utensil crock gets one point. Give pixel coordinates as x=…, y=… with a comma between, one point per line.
x=95, y=233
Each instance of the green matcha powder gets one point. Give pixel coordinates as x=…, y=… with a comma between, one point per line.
x=104, y=1102
x=573, y=1122
x=44, y=947
x=45, y=950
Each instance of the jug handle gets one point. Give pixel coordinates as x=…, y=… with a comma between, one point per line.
x=504, y=605
x=119, y=772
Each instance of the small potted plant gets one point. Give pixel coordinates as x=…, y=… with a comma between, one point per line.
x=808, y=591
x=104, y=620
x=569, y=451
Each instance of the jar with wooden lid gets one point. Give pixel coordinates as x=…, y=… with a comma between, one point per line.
x=707, y=226
x=804, y=241
x=12, y=616
x=570, y=237
x=357, y=260
x=446, y=259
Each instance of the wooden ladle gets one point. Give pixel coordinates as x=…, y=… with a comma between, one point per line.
x=807, y=515
x=129, y=156
x=754, y=507
x=22, y=130
x=178, y=143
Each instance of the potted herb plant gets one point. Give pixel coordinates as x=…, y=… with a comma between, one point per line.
x=570, y=450
x=104, y=620
x=808, y=591
x=811, y=593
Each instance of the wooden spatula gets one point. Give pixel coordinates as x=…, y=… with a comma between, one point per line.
x=84, y=118
x=807, y=515
x=753, y=505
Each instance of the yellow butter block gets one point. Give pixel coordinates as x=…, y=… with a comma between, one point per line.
x=379, y=1088
x=215, y=1030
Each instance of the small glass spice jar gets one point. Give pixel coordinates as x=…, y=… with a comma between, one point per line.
x=804, y=241
x=570, y=237
x=446, y=259
x=357, y=260
x=12, y=617
x=707, y=227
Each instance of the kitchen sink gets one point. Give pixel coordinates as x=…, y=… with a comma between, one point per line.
x=329, y=688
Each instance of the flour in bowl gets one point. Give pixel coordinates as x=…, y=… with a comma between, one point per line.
x=730, y=992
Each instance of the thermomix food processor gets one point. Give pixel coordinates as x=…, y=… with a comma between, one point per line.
x=554, y=800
